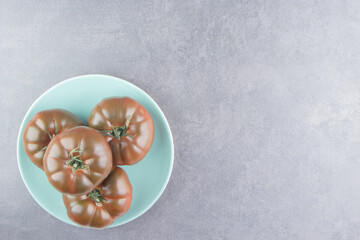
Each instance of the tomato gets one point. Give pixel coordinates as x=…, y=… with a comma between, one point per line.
x=77, y=160
x=42, y=128
x=99, y=209
x=127, y=126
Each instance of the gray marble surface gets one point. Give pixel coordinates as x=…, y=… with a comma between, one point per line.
x=263, y=98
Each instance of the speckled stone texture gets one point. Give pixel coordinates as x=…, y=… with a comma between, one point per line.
x=263, y=99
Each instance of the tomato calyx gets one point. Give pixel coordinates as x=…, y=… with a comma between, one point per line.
x=75, y=161
x=97, y=197
x=118, y=132
x=51, y=136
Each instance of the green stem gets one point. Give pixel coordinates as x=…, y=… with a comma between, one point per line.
x=51, y=136
x=75, y=161
x=118, y=132
x=97, y=197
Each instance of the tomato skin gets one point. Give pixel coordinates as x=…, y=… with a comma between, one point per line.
x=92, y=152
x=117, y=192
x=36, y=133
x=113, y=113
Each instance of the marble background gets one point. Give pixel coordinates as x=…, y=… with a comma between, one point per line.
x=263, y=99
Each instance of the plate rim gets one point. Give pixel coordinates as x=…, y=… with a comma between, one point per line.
x=144, y=210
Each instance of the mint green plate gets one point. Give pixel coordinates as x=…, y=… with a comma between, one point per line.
x=79, y=95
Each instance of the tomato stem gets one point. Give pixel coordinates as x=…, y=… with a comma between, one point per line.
x=96, y=197
x=118, y=132
x=51, y=136
x=75, y=161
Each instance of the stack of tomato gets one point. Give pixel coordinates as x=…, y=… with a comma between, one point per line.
x=81, y=162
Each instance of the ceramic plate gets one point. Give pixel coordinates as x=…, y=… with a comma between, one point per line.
x=79, y=95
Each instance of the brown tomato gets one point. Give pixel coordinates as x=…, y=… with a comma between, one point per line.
x=42, y=128
x=127, y=126
x=77, y=160
x=99, y=209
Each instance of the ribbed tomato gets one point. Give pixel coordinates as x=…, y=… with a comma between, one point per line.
x=42, y=128
x=77, y=160
x=127, y=126
x=99, y=209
